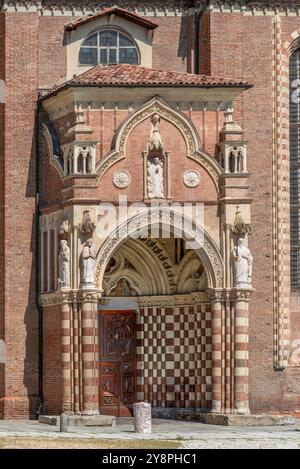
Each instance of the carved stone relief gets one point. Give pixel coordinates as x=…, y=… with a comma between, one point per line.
x=122, y=179
x=191, y=178
x=64, y=265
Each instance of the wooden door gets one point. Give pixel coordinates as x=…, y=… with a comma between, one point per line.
x=117, y=362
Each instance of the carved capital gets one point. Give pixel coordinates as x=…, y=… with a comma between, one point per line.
x=62, y=296
x=89, y=296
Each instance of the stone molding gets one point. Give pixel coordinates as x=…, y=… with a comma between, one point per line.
x=67, y=296
x=234, y=294
x=75, y=8
x=95, y=105
x=174, y=300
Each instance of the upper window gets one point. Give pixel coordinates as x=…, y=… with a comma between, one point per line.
x=108, y=46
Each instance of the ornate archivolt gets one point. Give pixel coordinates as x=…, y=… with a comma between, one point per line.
x=146, y=272
x=179, y=120
x=135, y=270
x=207, y=251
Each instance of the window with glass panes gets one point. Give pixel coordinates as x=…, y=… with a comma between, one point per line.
x=108, y=47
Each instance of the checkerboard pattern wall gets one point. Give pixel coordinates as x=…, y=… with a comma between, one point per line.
x=174, y=363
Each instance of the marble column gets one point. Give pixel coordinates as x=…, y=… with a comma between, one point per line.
x=90, y=351
x=66, y=352
x=241, y=352
x=216, y=305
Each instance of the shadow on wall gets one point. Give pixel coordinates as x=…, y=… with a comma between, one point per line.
x=183, y=39
x=31, y=317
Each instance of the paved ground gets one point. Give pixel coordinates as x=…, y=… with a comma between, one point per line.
x=190, y=434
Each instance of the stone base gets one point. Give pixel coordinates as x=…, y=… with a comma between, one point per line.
x=227, y=420
x=81, y=420
x=264, y=420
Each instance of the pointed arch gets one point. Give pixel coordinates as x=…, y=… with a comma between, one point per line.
x=171, y=115
x=208, y=253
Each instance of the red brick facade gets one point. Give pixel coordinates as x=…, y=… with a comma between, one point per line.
x=197, y=39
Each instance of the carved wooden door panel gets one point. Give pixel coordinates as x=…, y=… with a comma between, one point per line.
x=117, y=362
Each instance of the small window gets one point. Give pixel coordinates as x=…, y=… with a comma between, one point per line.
x=108, y=47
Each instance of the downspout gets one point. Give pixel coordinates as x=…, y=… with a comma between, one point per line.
x=37, y=271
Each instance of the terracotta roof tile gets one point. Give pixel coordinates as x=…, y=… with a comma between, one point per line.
x=134, y=75
x=112, y=11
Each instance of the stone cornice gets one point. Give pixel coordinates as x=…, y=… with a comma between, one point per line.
x=76, y=8
x=85, y=7
x=255, y=7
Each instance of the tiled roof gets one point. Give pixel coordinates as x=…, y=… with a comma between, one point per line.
x=112, y=11
x=134, y=75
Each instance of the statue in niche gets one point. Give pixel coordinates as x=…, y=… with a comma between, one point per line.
x=155, y=178
x=155, y=142
x=243, y=261
x=64, y=265
x=88, y=264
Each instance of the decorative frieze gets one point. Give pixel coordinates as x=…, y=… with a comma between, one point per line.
x=152, y=9
x=76, y=8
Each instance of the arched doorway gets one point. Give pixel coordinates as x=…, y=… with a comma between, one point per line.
x=155, y=329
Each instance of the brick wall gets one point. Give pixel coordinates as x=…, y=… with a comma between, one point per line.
x=238, y=52
x=2, y=202
x=21, y=318
x=52, y=352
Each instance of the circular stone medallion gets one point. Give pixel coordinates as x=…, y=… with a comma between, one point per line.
x=191, y=178
x=122, y=179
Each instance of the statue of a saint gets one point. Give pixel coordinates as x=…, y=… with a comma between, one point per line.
x=243, y=261
x=64, y=265
x=155, y=179
x=88, y=264
x=155, y=142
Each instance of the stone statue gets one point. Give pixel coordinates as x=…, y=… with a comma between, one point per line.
x=64, y=265
x=88, y=264
x=242, y=264
x=155, y=179
x=155, y=142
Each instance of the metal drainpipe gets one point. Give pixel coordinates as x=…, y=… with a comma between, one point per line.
x=37, y=257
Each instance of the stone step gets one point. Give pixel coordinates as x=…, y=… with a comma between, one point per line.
x=81, y=420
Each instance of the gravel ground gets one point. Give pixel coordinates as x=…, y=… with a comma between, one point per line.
x=167, y=433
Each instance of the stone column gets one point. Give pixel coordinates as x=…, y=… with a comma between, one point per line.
x=66, y=352
x=216, y=332
x=241, y=352
x=89, y=338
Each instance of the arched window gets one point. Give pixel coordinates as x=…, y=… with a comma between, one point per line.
x=295, y=167
x=108, y=46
